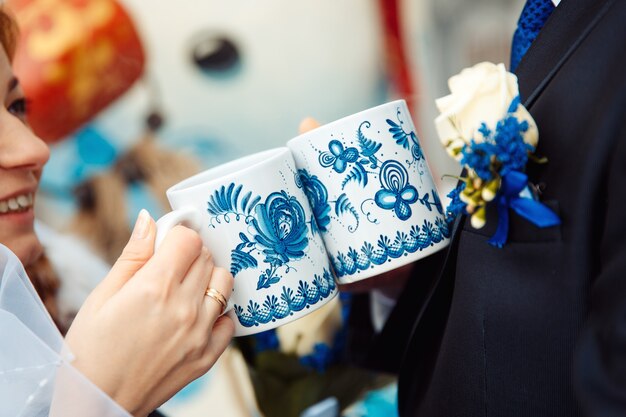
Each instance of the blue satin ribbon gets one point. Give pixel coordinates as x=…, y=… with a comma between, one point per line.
x=509, y=197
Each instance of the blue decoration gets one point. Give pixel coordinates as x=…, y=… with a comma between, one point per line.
x=280, y=230
x=456, y=206
x=343, y=205
x=499, y=159
x=225, y=202
x=338, y=157
x=360, y=160
x=509, y=197
x=418, y=239
x=317, y=195
x=318, y=199
x=368, y=147
x=396, y=194
x=506, y=146
x=406, y=139
x=289, y=302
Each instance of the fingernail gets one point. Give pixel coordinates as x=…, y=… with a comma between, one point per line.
x=141, y=225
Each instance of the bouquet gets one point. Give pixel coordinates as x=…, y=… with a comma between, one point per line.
x=485, y=127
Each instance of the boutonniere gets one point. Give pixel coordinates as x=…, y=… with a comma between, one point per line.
x=484, y=126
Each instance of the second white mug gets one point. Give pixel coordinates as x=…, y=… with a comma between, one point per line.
x=371, y=191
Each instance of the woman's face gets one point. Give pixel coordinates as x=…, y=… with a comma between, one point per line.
x=22, y=156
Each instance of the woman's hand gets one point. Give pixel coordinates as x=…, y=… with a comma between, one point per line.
x=148, y=329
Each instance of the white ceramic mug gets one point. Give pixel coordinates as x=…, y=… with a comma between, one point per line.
x=371, y=191
x=257, y=222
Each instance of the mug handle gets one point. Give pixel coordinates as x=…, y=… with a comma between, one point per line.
x=187, y=216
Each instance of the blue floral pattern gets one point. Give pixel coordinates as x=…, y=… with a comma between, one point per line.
x=406, y=140
x=374, y=170
x=279, y=230
x=358, y=159
x=396, y=194
x=338, y=157
x=317, y=195
x=290, y=301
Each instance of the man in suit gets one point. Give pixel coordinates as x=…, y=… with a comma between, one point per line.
x=537, y=328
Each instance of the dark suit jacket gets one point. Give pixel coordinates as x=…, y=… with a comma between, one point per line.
x=537, y=328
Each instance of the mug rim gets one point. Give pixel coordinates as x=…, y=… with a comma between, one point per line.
x=331, y=125
x=208, y=176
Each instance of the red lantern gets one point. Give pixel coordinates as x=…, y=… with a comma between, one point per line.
x=74, y=57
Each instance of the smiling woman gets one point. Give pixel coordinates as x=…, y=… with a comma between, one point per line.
x=22, y=157
x=145, y=332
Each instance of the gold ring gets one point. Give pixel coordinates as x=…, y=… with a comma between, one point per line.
x=217, y=296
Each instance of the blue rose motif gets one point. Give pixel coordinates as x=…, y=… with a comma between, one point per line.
x=318, y=198
x=397, y=193
x=338, y=157
x=281, y=228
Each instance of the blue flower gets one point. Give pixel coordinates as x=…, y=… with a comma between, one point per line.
x=318, y=198
x=479, y=157
x=456, y=206
x=338, y=157
x=510, y=149
x=397, y=194
x=281, y=228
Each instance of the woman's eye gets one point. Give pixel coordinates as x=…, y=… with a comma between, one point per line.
x=19, y=108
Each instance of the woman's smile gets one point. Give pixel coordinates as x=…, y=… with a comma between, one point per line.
x=17, y=204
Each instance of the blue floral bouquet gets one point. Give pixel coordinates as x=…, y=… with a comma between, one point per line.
x=484, y=126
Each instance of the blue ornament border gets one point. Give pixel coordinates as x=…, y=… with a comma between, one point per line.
x=274, y=309
x=418, y=239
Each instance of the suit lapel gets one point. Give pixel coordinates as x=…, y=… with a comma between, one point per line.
x=567, y=27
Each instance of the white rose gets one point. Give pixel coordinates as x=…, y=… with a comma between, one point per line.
x=480, y=94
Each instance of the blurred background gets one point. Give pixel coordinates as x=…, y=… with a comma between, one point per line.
x=134, y=95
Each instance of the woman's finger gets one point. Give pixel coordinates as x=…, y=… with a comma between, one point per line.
x=174, y=256
x=137, y=252
x=221, y=283
x=221, y=335
x=197, y=279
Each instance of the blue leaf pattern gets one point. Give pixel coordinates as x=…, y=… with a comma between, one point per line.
x=225, y=201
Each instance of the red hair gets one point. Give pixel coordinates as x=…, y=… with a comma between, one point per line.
x=8, y=32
